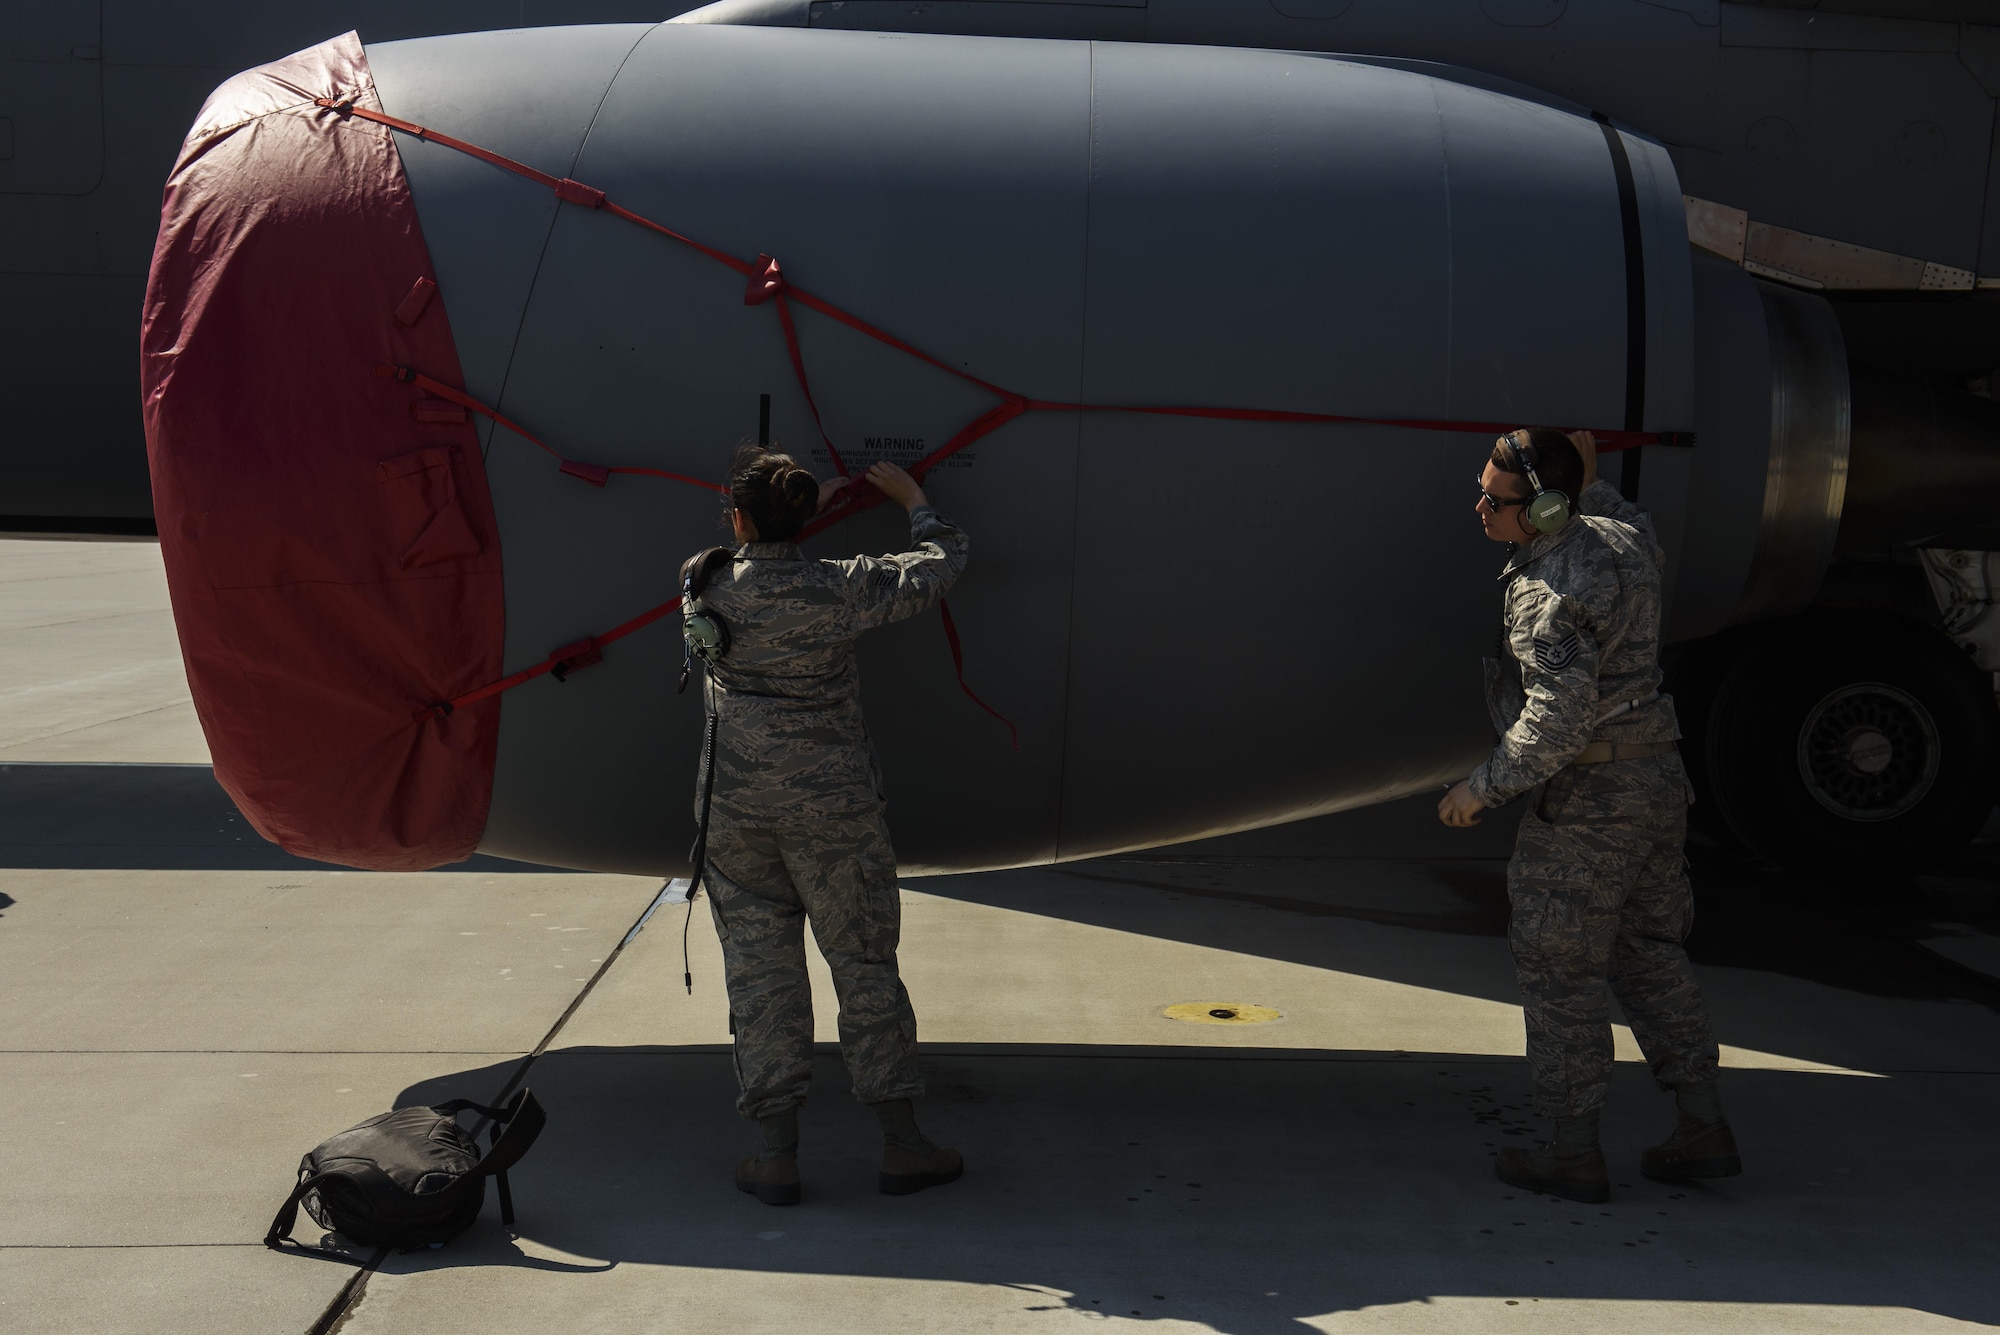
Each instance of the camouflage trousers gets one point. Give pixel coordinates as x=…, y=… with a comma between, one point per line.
x=765, y=885
x=1600, y=901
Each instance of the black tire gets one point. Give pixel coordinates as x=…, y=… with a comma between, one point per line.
x=1851, y=744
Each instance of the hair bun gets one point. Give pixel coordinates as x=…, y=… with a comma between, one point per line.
x=772, y=491
x=797, y=485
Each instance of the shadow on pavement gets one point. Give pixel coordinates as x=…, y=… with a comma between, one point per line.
x=144, y=818
x=1281, y=893
x=1251, y=1191
x=1394, y=866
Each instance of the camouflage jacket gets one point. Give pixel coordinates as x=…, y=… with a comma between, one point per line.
x=1602, y=499
x=1580, y=636
x=790, y=741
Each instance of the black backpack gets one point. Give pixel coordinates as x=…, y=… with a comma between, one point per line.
x=409, y=1178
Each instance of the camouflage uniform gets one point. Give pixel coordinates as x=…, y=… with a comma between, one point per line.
x=1598, y=884
x=796, y=829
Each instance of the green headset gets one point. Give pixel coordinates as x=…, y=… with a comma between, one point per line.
x=1547, y=510
x=704, y=635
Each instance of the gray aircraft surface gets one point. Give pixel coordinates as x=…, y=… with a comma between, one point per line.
x=95, y=96
x=1764, y=226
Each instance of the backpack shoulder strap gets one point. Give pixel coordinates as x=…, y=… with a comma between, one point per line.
x=453, y=1107
x=524, y=1120
x=515, y=1126
x=281, y=1227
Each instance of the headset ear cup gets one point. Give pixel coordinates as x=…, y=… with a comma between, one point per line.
x=1549, y=511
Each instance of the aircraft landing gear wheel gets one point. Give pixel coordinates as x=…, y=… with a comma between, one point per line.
x=1869, y=752
x=1858, y=745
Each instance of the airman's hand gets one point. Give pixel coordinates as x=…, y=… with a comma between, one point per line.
x=829, y=491
x=1459, y=808
x=894, y=483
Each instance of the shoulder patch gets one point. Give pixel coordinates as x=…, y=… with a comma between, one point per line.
x=1555, y=655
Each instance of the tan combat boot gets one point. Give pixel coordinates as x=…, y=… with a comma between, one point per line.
x=1574, y=1175
x=1570, y=1165
x=907, y=1168
x=771, y=1178
x=910, y=1161
x=1695, y=1149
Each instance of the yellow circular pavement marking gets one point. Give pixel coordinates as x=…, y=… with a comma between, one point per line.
x=1221, y=1012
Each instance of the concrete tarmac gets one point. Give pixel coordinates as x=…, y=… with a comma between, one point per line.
x=187, y=1010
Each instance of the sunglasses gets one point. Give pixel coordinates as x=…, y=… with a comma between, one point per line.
x=1498, y=503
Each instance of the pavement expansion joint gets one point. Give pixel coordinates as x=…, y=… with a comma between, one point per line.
x=113, y=1246
x=349, y=1299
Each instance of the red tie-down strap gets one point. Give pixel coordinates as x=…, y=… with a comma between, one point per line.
x=958, y=666
x=595, y=474
x=582, y=654
x=766, y=283
x=560, y=662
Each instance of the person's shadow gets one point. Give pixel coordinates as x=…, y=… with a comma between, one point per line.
x=1258, y=1190
x=1253, y=1191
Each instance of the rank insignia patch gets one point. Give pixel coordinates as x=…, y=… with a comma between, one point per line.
x=1555, y=655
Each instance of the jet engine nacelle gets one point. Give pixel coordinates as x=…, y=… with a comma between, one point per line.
x=1197, y=625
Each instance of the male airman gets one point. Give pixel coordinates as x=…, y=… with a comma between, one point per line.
x=1597, y=886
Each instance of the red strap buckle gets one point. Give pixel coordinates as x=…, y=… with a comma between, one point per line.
x=402, y=373
x=765, y=282
x=595, y=475
x=574, y=657
x=576, y=192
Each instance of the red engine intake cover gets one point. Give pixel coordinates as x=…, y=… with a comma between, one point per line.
x=330, y=545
